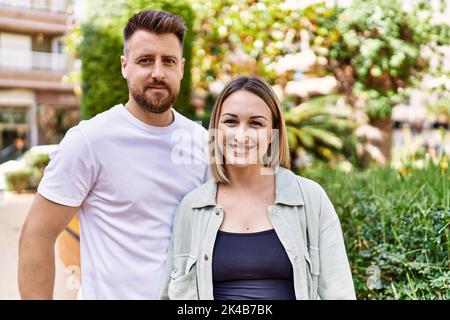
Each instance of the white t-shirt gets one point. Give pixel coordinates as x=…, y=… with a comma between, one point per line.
x=128, y=178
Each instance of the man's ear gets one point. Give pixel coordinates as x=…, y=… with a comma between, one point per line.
x=124, y=64
x=182, y=67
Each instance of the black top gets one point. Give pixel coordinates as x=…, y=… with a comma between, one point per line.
x=251, y=266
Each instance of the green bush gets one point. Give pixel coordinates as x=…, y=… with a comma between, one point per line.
x=37, y=160
x=321, y=130
x=37, y=163
x=397, y=224
x=28, y=179
x=102, y=83
x=19, y=181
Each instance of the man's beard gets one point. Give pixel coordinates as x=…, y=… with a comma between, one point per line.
x=155, y=102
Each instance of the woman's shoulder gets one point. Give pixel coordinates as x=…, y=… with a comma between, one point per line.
x=317, y=198
x=196, y=198
x=310, y=184
x=289, y=178
x=201, y=196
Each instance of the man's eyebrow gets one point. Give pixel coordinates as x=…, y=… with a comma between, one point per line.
x=148, y=55
x=145, y=56
x=170, y=57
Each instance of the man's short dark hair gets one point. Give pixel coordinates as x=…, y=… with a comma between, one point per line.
x=156, y=21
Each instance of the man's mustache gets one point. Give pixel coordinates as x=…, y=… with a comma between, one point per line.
x=157, y=84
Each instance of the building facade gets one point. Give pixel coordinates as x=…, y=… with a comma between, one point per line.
x=37, y=105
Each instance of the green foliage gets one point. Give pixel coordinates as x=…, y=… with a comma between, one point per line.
x=102, y=82
x=440, y=108
x=243, y=38
x=37, y=160
x=319, y=128
x=372, y=47
x=28, y=178
x=396, y=222
x=381, y=42
x=19, y=181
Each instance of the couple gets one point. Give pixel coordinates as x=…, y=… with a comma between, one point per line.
x=254, y=230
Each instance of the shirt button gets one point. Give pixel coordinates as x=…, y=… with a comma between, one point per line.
x=217, y=211
x=206, y=257
x=275, y=211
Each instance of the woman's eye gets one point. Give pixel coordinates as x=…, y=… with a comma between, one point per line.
x=229, y=121
x=257, y=124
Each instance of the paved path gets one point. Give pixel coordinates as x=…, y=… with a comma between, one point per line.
x=13, y=210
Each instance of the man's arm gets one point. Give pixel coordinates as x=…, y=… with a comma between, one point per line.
x=45, y=221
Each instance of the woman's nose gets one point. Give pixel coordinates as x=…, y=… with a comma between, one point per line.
x=241, y=135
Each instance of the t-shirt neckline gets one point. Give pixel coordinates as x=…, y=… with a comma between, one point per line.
x=145, y=126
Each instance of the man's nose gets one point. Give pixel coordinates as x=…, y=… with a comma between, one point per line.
x=158, y=71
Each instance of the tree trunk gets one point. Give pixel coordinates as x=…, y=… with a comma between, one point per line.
x=385, y=146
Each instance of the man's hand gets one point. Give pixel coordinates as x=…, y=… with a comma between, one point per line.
x=45, y=221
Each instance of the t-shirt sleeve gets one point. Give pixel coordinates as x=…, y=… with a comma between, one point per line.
x=71, y=173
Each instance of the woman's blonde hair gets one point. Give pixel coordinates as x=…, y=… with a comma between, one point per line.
x=278, y=150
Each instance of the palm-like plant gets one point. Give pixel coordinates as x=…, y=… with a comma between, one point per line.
x=322, y=128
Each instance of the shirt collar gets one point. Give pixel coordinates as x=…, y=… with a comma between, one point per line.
x=287, y=191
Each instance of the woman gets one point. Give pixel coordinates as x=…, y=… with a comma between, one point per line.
x=255, y=231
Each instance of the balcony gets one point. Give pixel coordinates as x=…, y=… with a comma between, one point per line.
x=34, y=70
x=47, y=17
x=59, y=6
x=29, y=60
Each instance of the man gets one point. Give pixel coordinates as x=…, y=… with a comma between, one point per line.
x=118, y=171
